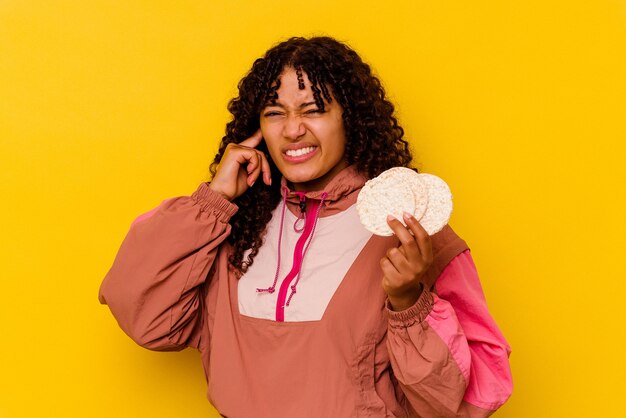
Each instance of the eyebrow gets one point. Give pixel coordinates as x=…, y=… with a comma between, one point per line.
x=278, y=104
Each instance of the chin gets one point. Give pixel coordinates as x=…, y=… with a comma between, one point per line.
x=300, y=178
x=300, y=175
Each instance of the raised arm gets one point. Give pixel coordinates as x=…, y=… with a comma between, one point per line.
x=154, y=287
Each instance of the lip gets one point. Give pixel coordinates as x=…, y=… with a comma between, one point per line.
x=299, y=158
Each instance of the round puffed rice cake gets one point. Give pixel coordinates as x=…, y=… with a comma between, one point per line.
x=439, y=207
x=428, y=199
x=393, y=192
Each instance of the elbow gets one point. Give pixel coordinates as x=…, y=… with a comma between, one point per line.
x=158, y=333
x=160, y=344
x=146, y=329
x=152, y=339
x=491, y=389
x=101, y=297
x=151, y=333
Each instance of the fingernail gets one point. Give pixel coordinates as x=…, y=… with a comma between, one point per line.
x=390, y=218
x=407, y=216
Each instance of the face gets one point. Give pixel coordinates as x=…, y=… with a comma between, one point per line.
x=306, y=144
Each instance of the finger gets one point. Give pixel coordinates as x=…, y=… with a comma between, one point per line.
x=407, y=241
x=265, y=166
x=399, y=261
x=236, y=159
x=246, y=160
x=390, y=272
x=259, y=166
x=421, y=236
x=254, y=168
x=254, y=140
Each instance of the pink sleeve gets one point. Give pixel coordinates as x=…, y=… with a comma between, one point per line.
x=490, y=381
x=444, y=369
x=154, y=287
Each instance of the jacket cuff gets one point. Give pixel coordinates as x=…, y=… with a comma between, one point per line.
x=211, y=200
x=415, y=314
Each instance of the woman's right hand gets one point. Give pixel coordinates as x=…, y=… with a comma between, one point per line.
x=240, y=167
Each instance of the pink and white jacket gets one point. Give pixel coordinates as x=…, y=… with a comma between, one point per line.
x=307, y=331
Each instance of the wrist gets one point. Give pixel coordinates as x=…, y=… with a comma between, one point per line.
x=416, y=314
x=212, y=201
x=405, y=301
x=217, y=189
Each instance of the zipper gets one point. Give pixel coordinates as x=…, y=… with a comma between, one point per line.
x=297, y=258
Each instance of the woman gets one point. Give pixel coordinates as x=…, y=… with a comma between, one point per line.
x=299, y=311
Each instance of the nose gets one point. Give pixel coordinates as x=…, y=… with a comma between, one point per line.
x=293, y=127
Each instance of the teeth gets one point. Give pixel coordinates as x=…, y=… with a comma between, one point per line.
x=298, y=152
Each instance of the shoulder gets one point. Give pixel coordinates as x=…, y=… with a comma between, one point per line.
x=447, y=244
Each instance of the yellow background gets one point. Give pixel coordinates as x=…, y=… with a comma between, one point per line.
x=107, y=108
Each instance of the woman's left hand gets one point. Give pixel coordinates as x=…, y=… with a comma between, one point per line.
x=404, y=266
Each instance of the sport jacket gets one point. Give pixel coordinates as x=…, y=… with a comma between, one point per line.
x=308, y=330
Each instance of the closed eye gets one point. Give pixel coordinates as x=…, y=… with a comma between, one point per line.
x=312, y=111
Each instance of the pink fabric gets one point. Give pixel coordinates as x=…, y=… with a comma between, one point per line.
x=338, y=240
x=315, y=208
x=297, y=263
x=490, y=381
x=443, y=321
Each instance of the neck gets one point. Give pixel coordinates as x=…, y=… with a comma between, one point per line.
x=319, y=183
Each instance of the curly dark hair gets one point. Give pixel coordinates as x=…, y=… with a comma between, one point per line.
x=374, y=139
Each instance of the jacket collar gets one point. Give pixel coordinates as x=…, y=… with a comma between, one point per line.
x=341, y=191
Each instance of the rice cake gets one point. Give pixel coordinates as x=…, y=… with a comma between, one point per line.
x=439, y=207
x=399, y=189
x=378, y=199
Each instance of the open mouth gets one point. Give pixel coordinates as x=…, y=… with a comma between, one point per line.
x=300, y=152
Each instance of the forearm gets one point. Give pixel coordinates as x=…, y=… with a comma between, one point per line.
x=429, y=356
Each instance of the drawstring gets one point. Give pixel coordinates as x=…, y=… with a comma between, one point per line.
x=272, y=288
x=317, y=214
x=302, y=212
